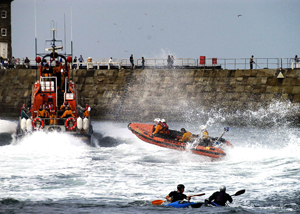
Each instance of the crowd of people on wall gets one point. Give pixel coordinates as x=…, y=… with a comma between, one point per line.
x=25, y=62
x=14, y=62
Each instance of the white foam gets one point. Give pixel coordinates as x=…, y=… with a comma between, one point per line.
x=7, y=126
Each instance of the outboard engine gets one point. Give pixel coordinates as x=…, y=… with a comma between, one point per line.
x=29, y=125
x=85, y=124
x=79, y=123
x=23, y=124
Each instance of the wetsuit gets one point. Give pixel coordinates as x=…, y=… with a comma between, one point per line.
x=176, y=196
x=220, y=198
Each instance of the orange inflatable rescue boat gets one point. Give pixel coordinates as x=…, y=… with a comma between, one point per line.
x=214, y=149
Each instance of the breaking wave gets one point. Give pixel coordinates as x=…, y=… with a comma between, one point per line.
x=275, y=114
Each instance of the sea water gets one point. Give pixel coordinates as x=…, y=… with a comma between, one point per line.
x=56, y=173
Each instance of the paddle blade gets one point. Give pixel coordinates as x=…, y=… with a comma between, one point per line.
x=199, y=194
x=158, y=202
x=239, y=192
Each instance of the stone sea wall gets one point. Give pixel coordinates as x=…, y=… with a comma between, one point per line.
x=174, y=94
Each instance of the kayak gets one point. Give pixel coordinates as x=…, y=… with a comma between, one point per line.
x=144, y=132
x=184, y=204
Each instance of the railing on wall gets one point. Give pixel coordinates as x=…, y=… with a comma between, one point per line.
x=221, y=63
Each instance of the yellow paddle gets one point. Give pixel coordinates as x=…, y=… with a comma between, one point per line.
x=160, y=202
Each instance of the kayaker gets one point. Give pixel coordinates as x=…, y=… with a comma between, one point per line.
x=187, y=136
x=221, y=197
x=178, y=195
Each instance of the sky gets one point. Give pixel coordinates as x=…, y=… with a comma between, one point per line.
x=156, y=28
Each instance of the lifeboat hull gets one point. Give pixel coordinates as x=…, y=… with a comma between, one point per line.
x=144, y=132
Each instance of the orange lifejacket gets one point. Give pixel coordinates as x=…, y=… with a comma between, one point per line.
x=187, y=137
x=158, y=129
x=43, y=113
x=166, y=128
x=86, y=113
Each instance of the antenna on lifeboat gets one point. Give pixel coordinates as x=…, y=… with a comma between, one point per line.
x=35, y=33
x=53, y=46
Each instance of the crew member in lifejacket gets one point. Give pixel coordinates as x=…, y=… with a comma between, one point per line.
x=86, y=113
x=165, y=127
x=46, y=106
x=159, y=127
x=42, y=113
x=203, y=137
x=23, y=113
x=64, y=75
x=46, y=72
x=23, y=107
x=68, y=113
x=220, y=198
x=65, y=105
x=52, y=111
x=57, y=73
x=187, y=136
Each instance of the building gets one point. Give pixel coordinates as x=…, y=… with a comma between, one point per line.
x=5, y=29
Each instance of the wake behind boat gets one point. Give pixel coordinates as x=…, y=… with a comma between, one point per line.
x=144, y=132
x=54, y=99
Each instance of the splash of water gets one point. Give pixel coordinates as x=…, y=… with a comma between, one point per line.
x=277, y=113
x=163, y=54
x=7, y=126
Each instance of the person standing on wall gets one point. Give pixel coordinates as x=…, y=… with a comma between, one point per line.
x=169, y=61
x=251, y=62
x=80, y=59
x=143, y=63
x=75, y=63
x=131, y=61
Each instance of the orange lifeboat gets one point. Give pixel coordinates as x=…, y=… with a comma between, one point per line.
x=144, y=132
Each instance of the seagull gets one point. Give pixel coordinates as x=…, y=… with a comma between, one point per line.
x=239, y=15
x=115, y=24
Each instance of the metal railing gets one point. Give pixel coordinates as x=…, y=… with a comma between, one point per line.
x=223, y=63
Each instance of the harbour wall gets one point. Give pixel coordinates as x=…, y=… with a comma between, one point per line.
x=174, y=94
